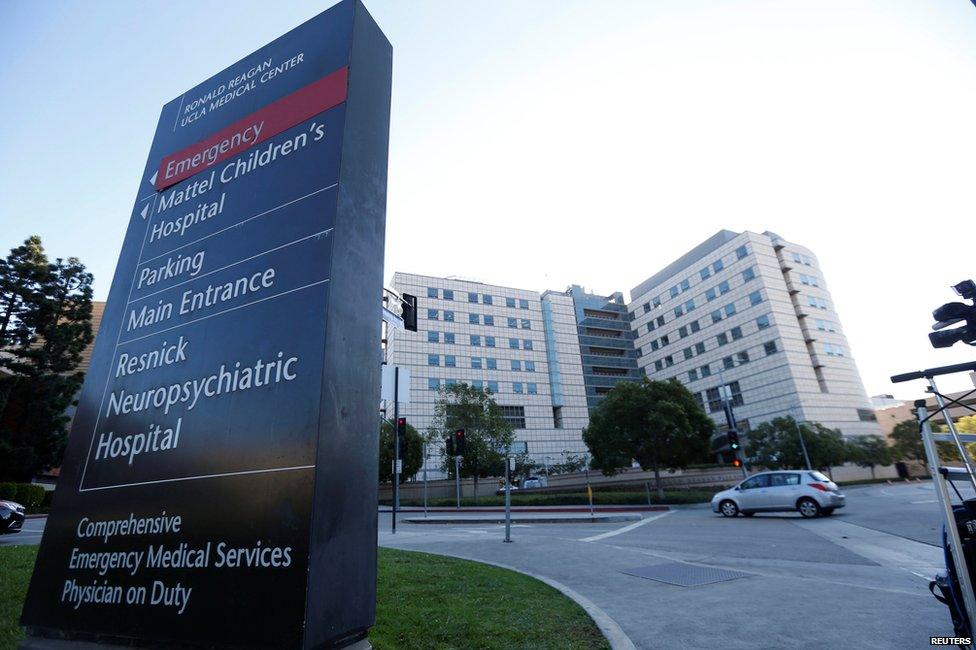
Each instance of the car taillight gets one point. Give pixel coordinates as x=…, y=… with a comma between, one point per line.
x=819, y=486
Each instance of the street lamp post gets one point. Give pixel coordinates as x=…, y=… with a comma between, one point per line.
x=803, y=444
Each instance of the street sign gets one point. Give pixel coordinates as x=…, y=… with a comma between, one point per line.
x=232, y=389
x=389, y=383
x=399, y=467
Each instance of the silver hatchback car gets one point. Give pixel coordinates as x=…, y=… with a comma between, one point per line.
x=810, y=493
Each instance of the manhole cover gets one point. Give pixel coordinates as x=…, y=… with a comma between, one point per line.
x=684, y=575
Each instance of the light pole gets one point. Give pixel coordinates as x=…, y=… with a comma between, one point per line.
x=547, y=459
x=725, y=392
x=803, y=444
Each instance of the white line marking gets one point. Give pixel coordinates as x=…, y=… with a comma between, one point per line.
x=625, y=529
x=227, y=266
x=235, y=225
x=926, y=501
x=194, y=478
x=196, y=320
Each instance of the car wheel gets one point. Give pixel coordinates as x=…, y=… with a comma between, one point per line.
x=808, y=507
x=826, y=512
x=748, y=514
x=728, y=508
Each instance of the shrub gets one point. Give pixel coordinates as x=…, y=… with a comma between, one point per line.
x=26, y=494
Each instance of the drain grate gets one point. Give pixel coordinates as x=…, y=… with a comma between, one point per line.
x=684, y=575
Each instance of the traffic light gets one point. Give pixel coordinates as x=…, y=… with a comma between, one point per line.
x=409, y=312
x=733, y=438
x=401, y=431
x=459, y=442
x=449, y=445
x=736, y=462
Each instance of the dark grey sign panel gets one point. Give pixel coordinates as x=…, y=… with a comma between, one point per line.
x=219, y=486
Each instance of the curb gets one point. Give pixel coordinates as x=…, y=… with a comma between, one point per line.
x=614, y=634
x=597, y=510
x=37, y=516
x=528, y=520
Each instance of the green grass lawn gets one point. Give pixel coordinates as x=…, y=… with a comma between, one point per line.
x=423, y=601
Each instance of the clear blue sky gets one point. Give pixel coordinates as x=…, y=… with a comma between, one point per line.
x=539, y=144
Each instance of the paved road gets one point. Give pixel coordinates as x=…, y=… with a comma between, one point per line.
x=30, y=534
x=858, y=578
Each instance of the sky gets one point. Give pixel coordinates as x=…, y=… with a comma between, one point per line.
x=542, y=144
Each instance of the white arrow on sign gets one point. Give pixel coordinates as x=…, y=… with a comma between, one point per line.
x=152, y=179
x=145, y=211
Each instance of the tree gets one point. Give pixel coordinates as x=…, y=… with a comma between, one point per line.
x=869, y=451
x=907, y=442
x=413, y=460
x=461, y=406
x=48, y=328
x=657, y=423
x=775, y=444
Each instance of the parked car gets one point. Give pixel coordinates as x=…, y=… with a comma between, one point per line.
x=810, y=493
x=533, y=482
x=11, y=517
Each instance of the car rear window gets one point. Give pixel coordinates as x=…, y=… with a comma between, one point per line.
x=817, y=476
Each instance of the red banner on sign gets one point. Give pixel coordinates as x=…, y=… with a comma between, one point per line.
x=318, y=96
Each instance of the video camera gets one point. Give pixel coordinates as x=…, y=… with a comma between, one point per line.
x=955, y=312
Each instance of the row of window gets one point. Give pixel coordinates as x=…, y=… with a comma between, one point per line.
x=717, y=316
x=479, y=363
x=486, y=299
x=711, y=294
x=833, y=350
x=814, y=301
x=809, y=280
x=477, y=319
x=491, y=386
x=802, y=259
x=704, y=273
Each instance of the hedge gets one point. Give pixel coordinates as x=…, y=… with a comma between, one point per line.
x=26, y=494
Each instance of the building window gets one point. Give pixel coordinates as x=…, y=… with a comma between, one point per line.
x=449, y=337
x=710, y=295
x=515, y=415
x=740, y=252
x=493, y=387
x=660, y=321
x=723, y=338
x=450, y=361
x=689, y=306
x=510, y=302
x=673, y=291
x=736, y=333
x=651, y=326
x=486, y=299
x=526, y=324
x=489, y=341
x=478, y=384
x=473, y=319
x=517, y=387
x=431, y=292
x=705, y=273
x=693, y=375
x=688, y=353
x=669, y=361
x=472, y=297
x=513, y=322
x=814, y=301
x=476, y=340
x=647, y=307
x=491, y=363
x=700, y=348
x=658, y=365
x=718, y=266
x=714, y=400
x=763, y=321
x=431, y=314
x=730, y=309
x=656, y=302
x=476, y=363
x=448, y=294
x=770, y=347
x=530, y=366
x=728, y=363
x=655, y=345
x=866, y=415
x=683, y=331
x=433, y=337
x=695, y=326
x=557, y=417
x=489, y=320
x=450, y=382
x=723, y=287
x=809, y=280
x=826, y=326
x=679, y=311
x=742, y=357
x=513, y=344
x=665, y=340
x=523, y=303
x=749, y=274
x=706, y=371
x=433, y=360
x=526, y=344
x=433, y=384
x=449, y=316
x=685, y=285
x=833, y=350
x=755, y=298
x=516, y=365
x=716, y=316
x=532, y=389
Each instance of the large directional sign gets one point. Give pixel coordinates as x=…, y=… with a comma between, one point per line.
x=219, y=487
